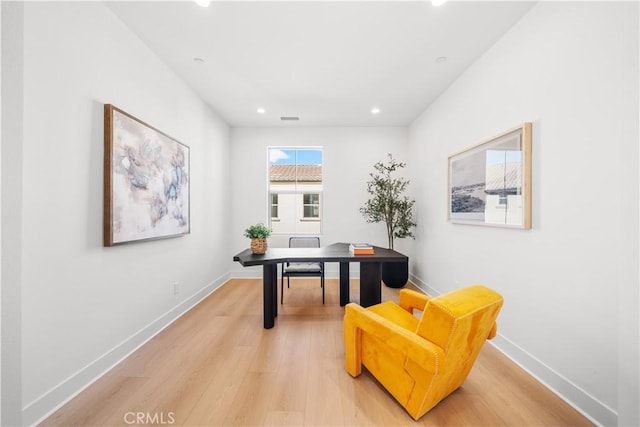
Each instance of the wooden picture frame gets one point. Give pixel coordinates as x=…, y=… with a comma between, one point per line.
x=490, y=182
x=146, y=181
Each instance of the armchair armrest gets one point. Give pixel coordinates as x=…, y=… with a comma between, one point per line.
x=358, y=319
x=410, y=300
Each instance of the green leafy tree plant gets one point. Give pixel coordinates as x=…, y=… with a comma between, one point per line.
x=388, y=203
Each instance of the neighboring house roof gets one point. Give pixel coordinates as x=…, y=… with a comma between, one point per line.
x=504, y=178
x=293, y=173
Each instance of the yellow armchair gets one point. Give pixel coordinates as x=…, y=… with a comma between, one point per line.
x=420, y=361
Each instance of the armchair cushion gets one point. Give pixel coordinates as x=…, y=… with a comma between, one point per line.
x=396, y=314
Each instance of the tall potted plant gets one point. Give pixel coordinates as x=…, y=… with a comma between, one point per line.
x=388, y=204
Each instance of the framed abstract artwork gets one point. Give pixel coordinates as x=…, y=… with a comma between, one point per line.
x=146, y=181
x=490, y=183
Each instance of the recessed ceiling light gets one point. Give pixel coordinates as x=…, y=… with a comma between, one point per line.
x=261, y=110
x=441, y=59
x=203, y=3
x=375, y=110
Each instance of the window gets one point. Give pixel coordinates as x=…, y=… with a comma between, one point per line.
x=274, y=205
x=295, y=189
x=311, y=205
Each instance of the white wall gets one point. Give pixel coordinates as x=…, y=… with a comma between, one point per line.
x=571, y=68
x=84, y=306
x=1, y=287
x=349, y=156
x=12, y=120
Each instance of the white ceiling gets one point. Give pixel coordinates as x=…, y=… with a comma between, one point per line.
x=327, y=62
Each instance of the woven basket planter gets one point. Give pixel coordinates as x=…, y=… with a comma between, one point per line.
x=259, y=246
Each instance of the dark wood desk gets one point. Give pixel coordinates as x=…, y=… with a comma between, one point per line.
x=370, y=282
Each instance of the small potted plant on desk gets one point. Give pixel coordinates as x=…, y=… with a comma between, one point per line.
x=258, y=234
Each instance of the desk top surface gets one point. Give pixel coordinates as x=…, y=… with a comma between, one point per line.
x=337, y=252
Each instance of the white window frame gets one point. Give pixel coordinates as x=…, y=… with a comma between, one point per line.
x=304, y=189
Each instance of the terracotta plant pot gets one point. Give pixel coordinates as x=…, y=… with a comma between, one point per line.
x=259, y=246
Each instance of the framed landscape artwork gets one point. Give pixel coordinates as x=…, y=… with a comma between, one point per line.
x=490, y=183
x=146, y=181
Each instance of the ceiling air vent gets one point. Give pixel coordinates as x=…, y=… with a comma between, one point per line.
x=289, y=118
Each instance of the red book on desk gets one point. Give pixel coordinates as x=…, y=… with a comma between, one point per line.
x=361, y=249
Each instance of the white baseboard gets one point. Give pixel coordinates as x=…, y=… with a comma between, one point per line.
x=596, y=411
x=423, y=285
x=45, y=405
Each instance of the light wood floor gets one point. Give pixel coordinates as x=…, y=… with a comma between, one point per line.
x=217, y=366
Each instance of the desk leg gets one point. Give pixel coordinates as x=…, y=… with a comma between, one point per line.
x=269, y=307
x=344, y=283
x=275, y=290
x=370, y=288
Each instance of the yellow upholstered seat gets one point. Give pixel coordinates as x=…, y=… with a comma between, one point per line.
x=421, y=361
